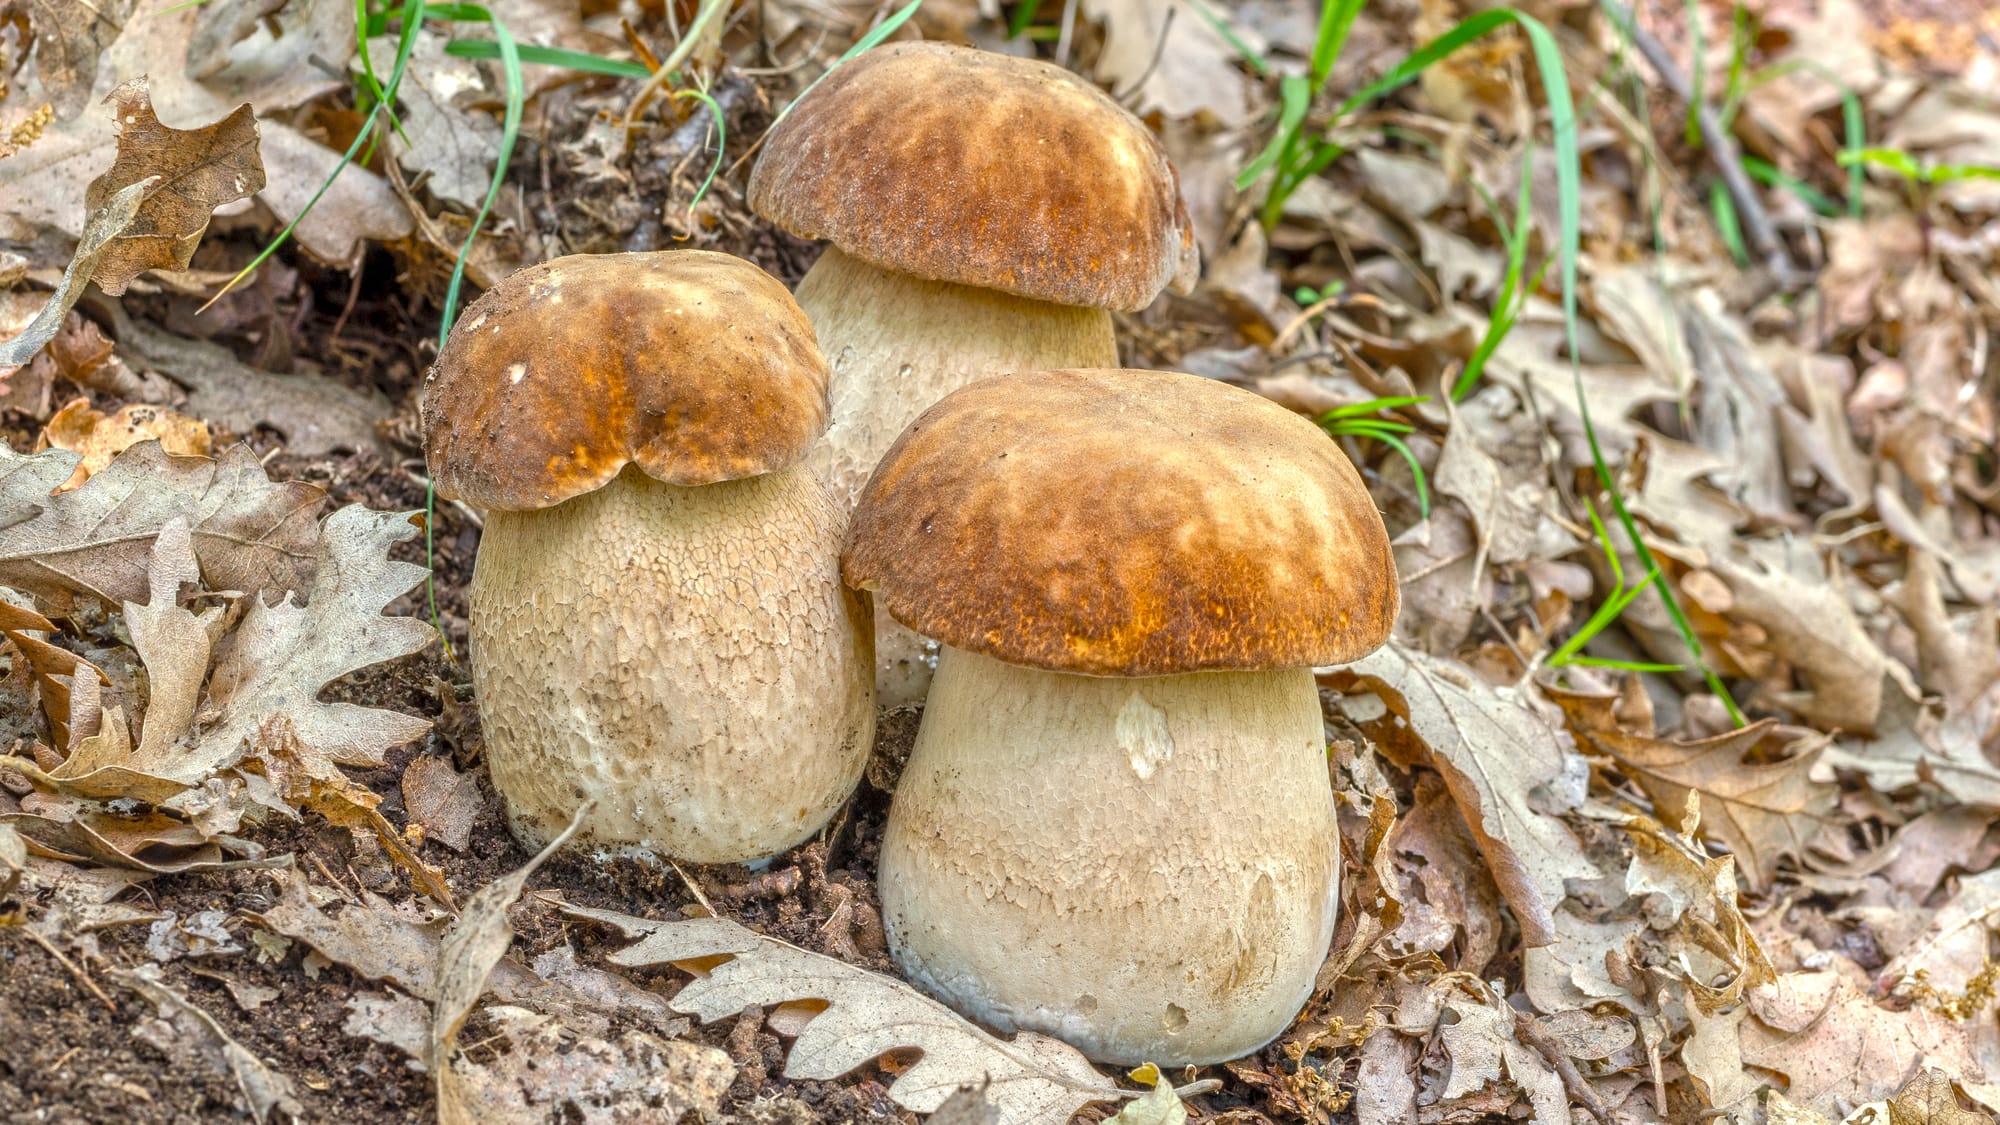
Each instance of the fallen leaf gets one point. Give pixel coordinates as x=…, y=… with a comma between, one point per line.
x=193, y=172
x=466, y=955
x=441, y=799
x=553, y=1074
x=1483, y=1049
x=394, y=1020
x=1031, y=1078
x=100, y=230
x=1496, y=752
x=96, y=540
x=1928, y=1099
x=1943, y=963
x=99, y=437
x=316, y=415
x=1157, y=1106
x=184, y=1028
x=1179, y=66
x=1757, y=795
x=280, y=63
x=454, y=146
x=69, y=38
x=1834, y=1041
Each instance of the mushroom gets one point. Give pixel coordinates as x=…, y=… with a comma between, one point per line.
x=657, y=618
x=986, y=213
x=1116, y=825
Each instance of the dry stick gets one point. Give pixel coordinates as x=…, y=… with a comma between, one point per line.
x=75, y=970
x=1721, y=147
x=1573, y=1081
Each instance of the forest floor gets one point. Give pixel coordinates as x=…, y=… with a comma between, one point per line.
x=1675, y=798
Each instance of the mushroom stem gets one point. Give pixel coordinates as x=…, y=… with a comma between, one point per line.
x=898, y=344
x=1146, y=868
x=685, y=656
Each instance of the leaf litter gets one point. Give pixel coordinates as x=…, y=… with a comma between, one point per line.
x=241, y=795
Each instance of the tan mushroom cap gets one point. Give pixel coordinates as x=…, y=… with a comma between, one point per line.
x=697, y=367
x=981, y=169
x=1125, y=523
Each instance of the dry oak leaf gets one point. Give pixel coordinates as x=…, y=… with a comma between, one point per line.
x=1031, y=1078
x=470, y=949
x=1762, y=807
x=1835, y=1043
x=69, y=37
x=249, y=533
x=550, y=1072
x=184, y=1028
x=82, y=428
x=1928, y=1099
x=1499, y=757
x=194, y=172
x=101, y=229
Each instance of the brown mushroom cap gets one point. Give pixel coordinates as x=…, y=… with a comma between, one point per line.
x=697, y=367
x=981, y=169
x=1125, y=523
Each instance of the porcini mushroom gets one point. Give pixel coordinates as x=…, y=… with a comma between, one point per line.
x=657, y=618
x=1116, y=825
x=985, y=213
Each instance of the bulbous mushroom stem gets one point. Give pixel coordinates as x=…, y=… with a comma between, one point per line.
x=898, y=344
x=1146, y=868
x=686, y=656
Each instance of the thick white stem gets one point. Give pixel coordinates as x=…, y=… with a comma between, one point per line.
x=898, y=344
x=687, y=657
x=1147, y=868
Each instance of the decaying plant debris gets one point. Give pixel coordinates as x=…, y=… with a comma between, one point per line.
x=251, y=865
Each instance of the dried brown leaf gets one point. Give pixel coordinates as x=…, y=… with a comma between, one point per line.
x=1496, y=752
x=1835, y=1041
x=69, y=37
x=1928, y=1099
x=184, y=1028
x=100, y=437
x=193, y=172
x=1030, y=1078
x=100, y=230
x=97, y=540
x=1762, y=807
x=466, y=956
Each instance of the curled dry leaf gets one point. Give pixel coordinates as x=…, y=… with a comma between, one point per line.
x=1497, y=755
x=551, y=1073
x=249, y=533
x=470, y=949
x=1030, y=1078
x=69, y=37
x=184, y=1028
x=99, y=437
x=193, y=172
x=100, y=230
x=1757, y=795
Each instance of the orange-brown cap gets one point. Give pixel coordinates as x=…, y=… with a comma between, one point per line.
x=981, y=169
x=1125, y=523
x=696, y=367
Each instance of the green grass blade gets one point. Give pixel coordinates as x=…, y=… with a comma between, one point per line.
x=721, y=145
x=1723, y=209
x=1228, y=33
x=1763, y=171
x=869, y=41
x=1294, y=99
x=405, y=45
x=1336, y=19
x=550, y=56
x=1024, y=14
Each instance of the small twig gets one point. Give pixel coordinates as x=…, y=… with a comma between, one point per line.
x=1722, y=150
x=1159, y=52
x=1580, y=1091
x=74, y=969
